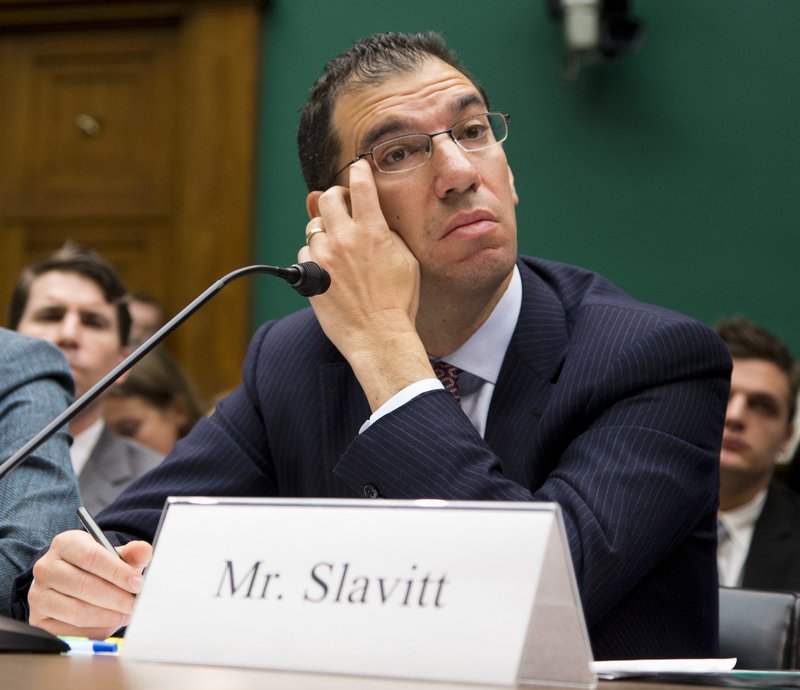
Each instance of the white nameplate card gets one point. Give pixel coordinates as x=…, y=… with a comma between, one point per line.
x=475, y=592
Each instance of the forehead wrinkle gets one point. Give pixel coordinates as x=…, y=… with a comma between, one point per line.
x=400, y=126
x=63, y=302
x=57, y=299
x=71, y=291
x=402, y=100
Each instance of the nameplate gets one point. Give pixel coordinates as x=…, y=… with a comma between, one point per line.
x=474, y=592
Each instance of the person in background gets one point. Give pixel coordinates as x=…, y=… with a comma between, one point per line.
x=39, y=497
x=555, y=385
x=147, y=316
x=155, y=404
x=759, y=520
x=74, y=299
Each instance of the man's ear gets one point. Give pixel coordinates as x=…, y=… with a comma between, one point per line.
x=511, y=184
x=312, y=204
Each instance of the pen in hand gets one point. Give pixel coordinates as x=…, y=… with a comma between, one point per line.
x=97, y=534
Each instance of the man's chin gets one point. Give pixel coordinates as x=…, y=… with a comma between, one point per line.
x=486, y=268
x=740, y=469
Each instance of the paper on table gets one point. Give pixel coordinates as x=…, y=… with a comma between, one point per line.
x=625, y=666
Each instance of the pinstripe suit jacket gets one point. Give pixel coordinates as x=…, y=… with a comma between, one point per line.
x=610, y=407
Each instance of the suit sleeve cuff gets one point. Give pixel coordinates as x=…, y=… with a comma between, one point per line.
x=401, y=398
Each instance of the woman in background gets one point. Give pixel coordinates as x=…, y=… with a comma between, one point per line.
x=154, y=404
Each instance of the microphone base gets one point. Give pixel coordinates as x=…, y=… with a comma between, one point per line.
x=18, y=637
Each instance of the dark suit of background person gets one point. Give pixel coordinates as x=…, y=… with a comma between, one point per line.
x=773, y=561
x=790, y=474
x=610, y=407
x=37, y=499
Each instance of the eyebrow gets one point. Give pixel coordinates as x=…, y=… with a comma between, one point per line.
x=764, y=396
x=761, y=396
x=399, y=126
x=379, y=131
x=60, y=309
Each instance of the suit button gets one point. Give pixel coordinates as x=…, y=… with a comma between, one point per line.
x=370, y=491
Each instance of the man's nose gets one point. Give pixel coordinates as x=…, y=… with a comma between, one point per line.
x=737, y=409
x=69, y=330
x=454, y=167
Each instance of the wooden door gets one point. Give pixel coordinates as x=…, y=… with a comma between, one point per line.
x=130, y=127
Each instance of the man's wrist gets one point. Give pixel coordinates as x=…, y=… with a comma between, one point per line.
x=389, y=365
x=406, y=395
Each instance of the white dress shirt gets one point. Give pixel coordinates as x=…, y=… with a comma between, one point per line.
x=83, y=444
x=479, y=359
x=735, y=538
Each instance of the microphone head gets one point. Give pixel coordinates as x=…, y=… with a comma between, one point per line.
x=313, y=280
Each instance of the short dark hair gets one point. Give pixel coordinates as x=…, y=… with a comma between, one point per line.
x=73, y=258
x=146, y=298
x=746, y=340
x=159, y=381
x=368, y=62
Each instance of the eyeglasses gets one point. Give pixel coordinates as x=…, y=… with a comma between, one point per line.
x=410, y=151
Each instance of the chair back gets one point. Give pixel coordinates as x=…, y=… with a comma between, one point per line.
x=759, y=628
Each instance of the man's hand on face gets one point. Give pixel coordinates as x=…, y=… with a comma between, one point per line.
x=370, y=308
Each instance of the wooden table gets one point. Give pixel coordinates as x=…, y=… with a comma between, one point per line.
x=100, y=672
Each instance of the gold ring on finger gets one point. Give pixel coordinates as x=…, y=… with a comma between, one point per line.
x=311, y=232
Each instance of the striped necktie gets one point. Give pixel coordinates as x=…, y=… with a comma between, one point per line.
x=448, y=375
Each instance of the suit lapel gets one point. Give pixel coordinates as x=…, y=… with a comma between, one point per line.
x=768, y=557
x=108, y=459
x=106, y=469
x=529, y=371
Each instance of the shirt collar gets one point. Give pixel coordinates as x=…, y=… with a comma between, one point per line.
x=83, y=444
x=744, y=516
x=482, y=355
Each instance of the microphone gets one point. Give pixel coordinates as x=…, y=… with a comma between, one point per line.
x=307, y=278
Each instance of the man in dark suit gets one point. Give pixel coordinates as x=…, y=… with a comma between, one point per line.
x=759, y=540
x=75, y=299
x=555, y=385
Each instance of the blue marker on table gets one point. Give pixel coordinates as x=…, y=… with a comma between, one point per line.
x=87, y=646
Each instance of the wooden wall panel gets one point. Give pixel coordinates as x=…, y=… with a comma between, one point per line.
x=219, y=52
x=93, y=115
x=130, y=127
